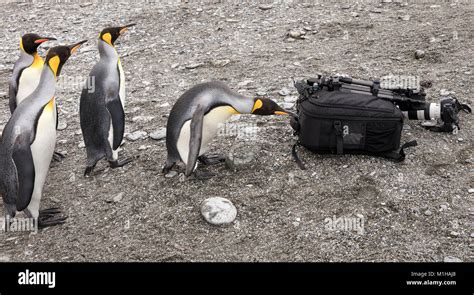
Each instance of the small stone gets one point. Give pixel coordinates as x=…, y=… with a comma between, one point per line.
x=444, y=92
x=287, y=105
x=443, y=207
x=158, y=134
x=294, y=34
x=194, y=66
x=82, y=145
x=137, y=135
x=472, y=235
x=245, y=83
x=290, y=99
x=171, y=174
x=345, y=166
x=218, y=211
x=460, y=139
x=284, y=91
x=261, y=93
x=471, y=190
x=376, y=10
x=4, y=258
x=118, y=197
x=454, y=233
x=72, y=177
x=62, y=125
x=419, y=54
x=405, y=17
x=142, y=148
x=452, y=259
x=354, y=14
x=265, y=6
x=239, y=158
x=428, y=212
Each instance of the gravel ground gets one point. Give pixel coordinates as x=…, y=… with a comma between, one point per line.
x=418, y=210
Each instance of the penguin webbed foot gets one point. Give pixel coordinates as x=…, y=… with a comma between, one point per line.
x=211, y=160
x=58, y=157
x=49, y=217
x=89, y=170
x=201, y=175
x=117, y=164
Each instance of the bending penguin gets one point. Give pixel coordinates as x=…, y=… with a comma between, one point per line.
x=28, y=142
x=196, y=116
x=27, y=69
x=102, y=110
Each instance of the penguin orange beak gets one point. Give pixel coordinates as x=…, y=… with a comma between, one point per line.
x=125, y=28
x=44, y=39
x=73, y=48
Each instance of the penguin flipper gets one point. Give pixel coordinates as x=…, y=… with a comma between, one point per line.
x=23, y=159
x=195, y=138
x=12, y=90
x=115, y=108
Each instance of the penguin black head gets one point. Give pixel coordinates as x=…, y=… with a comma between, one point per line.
x=30, y=42
x=266, y=107
x=110, y=35
x=58, y=55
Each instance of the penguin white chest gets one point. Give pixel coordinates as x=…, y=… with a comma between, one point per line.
x=28, y=82
x=211, y=123
x=122, y=83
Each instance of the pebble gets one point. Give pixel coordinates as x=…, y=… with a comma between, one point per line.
x=291, y=99
x=405, y=17
x=82, y=145
x=194, y=66
x=4, y=258
x=261, y=93
x=454, y=233
x=354, y=14
x=294, y=34
x=62, y=125
x=265, y=6
x=284, y=91
x=460, y=139
x=444, y=92
x=142, y=148
x=134, y=136
x=471, y=190
x=287, y=105
x=218, y=211
x=443, y=207
x=238, y=159
x=428, y=212
x=158, y=134
x=118, y=197
x=452, y=259
x=171, y=174
x=419, y=54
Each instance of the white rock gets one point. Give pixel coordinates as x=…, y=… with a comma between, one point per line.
x=4, y=258
x=471, y=190
x=158, y=134
x=82, y=145
x=218, y=211
x=452, y=259
x=284, y=91
x=291, y=99
x=62, y=125
x=118, y=197
x=171, y=174
x=134, y=136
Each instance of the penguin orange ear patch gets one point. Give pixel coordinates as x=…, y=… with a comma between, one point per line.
x=74, y=49
x=107, y=38
x=54, y=64
x=258, y=104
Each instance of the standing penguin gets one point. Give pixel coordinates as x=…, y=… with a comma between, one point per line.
x=27, y=69
x=196, y=116
x=28, y=142
x=102, y=110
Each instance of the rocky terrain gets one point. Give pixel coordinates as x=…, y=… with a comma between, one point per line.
x=418, y=210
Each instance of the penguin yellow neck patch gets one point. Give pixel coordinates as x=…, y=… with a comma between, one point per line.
x=50, y=105
x=107, y=38
x=38, y=61
x=54, y=64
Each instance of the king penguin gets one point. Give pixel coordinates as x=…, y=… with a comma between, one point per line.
x=196, y=116
x=101, y=111
x=27, y=69
x=28, y=142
